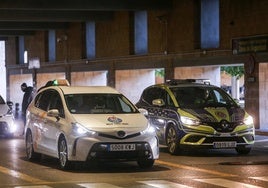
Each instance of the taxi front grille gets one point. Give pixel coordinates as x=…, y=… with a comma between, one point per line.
x=118, y=137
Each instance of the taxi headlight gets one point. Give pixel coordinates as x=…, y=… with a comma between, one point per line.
x=78, y=129
x=248, y=120
x=189, y=121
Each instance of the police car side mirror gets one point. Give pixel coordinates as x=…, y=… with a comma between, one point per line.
x=158, y=102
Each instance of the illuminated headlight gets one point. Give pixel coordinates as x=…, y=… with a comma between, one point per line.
x=13, y=127
x=149, y=130
x=248, y=120
x=81, y=130
x=189, y=121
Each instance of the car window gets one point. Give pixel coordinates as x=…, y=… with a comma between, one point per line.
x=42, y=100
x=99, y=104
x=157, y=93
x=56, y=103
x=199, y=97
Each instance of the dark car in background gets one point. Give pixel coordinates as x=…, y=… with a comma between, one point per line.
x=7, y=123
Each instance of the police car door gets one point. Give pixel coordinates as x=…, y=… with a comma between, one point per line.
x=158, y=111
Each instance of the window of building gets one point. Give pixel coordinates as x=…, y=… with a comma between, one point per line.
x=90, y=40
x=210, y=35
x=51, y=45
x=141, y=32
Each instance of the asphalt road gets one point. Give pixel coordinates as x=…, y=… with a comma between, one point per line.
x=205, y=168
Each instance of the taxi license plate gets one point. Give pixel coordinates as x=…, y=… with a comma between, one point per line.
x=224, y=144
x=122, y=147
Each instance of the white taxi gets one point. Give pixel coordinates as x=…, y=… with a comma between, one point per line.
x=87, y=123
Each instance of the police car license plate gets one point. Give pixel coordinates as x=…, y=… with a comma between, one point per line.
x=122, y=147
x=224, y=144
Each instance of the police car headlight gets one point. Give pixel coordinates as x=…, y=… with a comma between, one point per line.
x=78, y=129
x=248, y=120
x=189, y=121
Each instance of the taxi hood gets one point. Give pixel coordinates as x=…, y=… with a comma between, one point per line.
x=134, y=122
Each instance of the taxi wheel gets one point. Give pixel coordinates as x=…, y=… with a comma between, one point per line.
x=243, y=150
x=147, y=163
x=63, y=154
x=30, y=153
x=172, y=140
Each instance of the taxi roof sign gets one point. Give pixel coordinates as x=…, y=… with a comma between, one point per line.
x=60, y=82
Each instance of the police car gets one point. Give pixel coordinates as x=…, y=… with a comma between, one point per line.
x=81, y=124
x=194, y=114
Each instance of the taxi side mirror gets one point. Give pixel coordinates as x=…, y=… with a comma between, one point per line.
x=158, y=102
x=54, y=113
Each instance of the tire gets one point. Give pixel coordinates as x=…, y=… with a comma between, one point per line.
x=146, y=163
x=172, y=140
x=64, y=163
x=243, y=150
x=30, y=153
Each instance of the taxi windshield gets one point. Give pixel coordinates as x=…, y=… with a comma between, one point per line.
x=201, y=97
x=99, y=104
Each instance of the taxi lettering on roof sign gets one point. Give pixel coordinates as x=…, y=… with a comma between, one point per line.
x=192, y=113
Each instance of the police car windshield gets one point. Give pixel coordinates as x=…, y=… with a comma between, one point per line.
x=99, y=104
x=200, y=97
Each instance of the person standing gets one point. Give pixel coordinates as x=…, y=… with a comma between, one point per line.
x=27, y=98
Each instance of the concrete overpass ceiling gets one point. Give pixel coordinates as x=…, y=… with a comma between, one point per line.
x=18, y=18
x=99, y=5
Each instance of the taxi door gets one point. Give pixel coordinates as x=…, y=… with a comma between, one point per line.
x=52, y=124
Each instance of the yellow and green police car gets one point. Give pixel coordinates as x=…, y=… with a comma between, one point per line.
x=192, y=113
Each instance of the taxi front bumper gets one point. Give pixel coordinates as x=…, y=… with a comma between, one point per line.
x=99, y=148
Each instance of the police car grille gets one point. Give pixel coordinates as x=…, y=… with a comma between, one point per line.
x=218, y=126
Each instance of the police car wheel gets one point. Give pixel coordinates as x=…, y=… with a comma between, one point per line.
x=172, y=140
